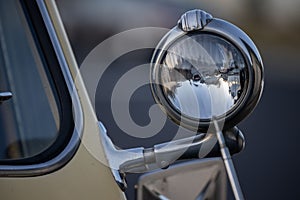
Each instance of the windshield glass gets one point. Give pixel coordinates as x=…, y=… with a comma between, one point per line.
x=29, y=121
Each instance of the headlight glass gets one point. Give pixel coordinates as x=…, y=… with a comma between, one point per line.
x=203, y=75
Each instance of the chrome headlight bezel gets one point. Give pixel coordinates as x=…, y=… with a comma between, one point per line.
x=203, y=23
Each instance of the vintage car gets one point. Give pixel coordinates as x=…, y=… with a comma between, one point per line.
x=206, y=76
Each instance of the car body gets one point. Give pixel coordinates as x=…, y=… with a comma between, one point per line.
x=73, y=173
x=53, y=145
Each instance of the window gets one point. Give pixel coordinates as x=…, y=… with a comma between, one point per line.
x=33, y=123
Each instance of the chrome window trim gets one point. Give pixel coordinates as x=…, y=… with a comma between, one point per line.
x=65, y=156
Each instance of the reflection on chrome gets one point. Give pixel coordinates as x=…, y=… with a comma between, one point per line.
x=203, y=75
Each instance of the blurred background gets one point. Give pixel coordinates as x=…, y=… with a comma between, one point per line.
x=269, y=166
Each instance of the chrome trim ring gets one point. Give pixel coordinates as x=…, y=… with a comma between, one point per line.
x=231, y=34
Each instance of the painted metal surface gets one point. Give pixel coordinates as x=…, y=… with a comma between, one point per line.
x=84, y=176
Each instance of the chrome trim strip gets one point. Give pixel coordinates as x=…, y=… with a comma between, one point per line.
x=4, y=96
x=66, y=155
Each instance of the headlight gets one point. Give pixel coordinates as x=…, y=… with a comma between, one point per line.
x=206, y=67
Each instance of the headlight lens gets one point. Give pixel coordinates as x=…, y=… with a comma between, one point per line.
x=206, y=67
x=203, y=75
